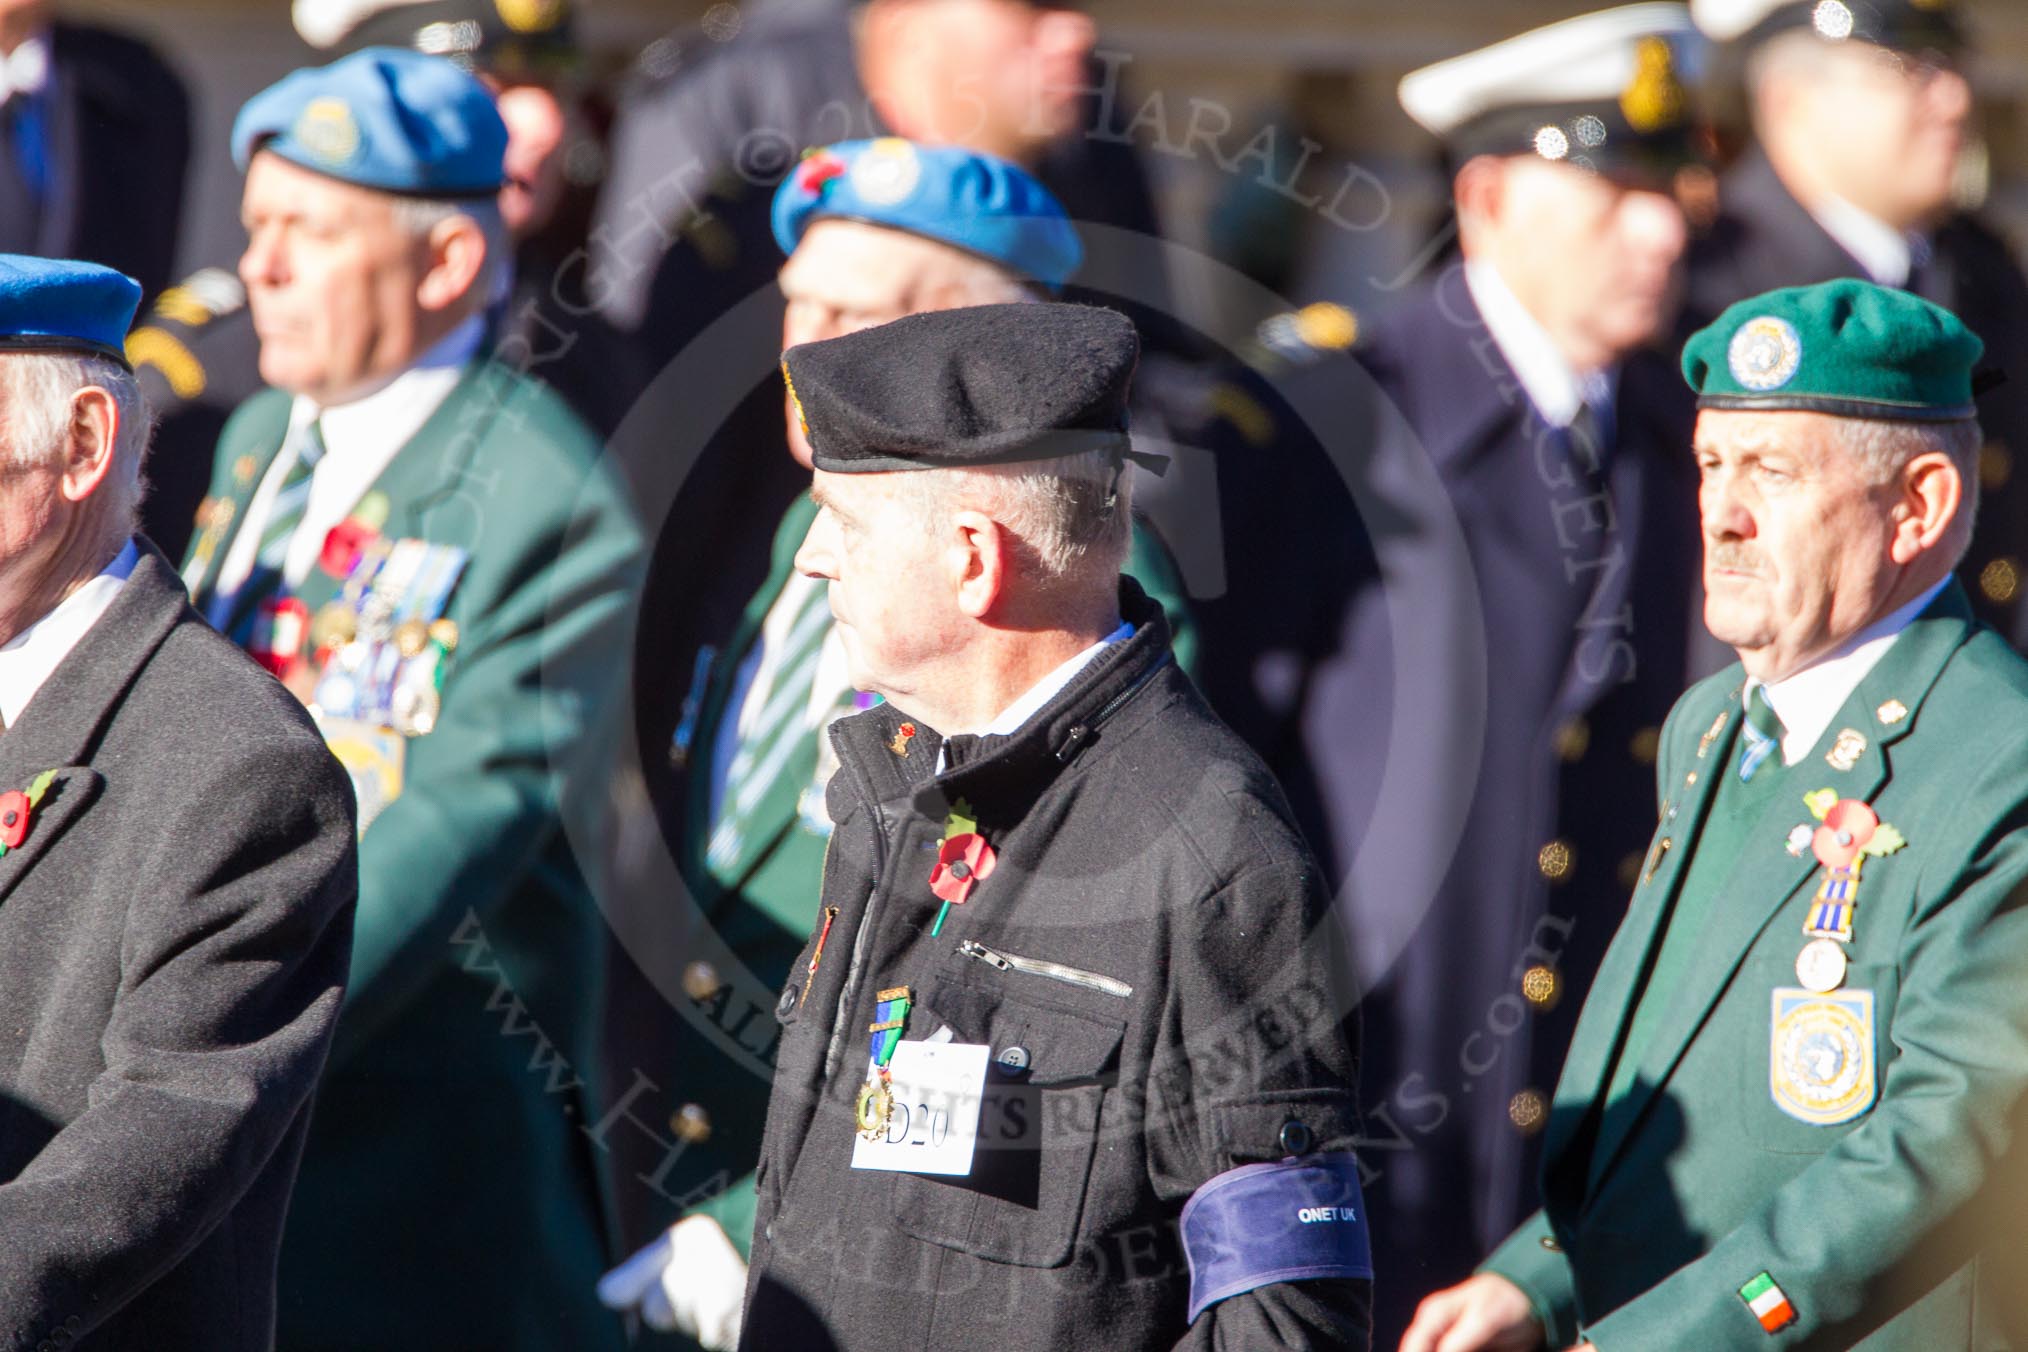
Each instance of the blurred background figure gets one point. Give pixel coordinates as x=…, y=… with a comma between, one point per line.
x=1862, y=154
x=94, y=142
x=1474, y=748
x=195, y=349
x=721, y=114
x=419, y=541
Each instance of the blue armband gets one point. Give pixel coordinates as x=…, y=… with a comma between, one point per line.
x=1259, y=1224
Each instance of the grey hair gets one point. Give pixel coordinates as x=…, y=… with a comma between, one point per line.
x=1070, y=516
x=1883, y=450
x=417, y=216
x=38, y=388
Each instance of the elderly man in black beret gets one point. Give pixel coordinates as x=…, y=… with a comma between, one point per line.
x=1062, y=1061
x=177, y=875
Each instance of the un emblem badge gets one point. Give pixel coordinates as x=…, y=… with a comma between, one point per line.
x=886, y=172
x=1820, y=1057
x=327, y=130
x=1765, y=354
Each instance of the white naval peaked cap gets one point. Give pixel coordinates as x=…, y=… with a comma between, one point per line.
x=1588, y=59
x=1893, y=23
x=1725, y=20
x=324, y=23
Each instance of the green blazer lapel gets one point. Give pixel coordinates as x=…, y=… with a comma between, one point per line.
x=426, y=497
x=1766, y=878
x=1602, y=1024
x=718, y=693
x=243, y=463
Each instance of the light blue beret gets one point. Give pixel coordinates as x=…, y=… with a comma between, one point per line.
x=974, y=202
x=56, y=305
x=385, y=118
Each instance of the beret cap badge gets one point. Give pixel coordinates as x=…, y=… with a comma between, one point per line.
x=1765, y=353
x=888, y=171
x=327, y=129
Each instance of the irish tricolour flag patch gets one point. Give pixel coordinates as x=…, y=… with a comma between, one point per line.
x=1768, y=1303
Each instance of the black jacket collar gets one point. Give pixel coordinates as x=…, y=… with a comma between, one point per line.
x=998, y=776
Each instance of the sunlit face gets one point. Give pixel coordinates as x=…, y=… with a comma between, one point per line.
x=1887, y=129
x=331, y=278
x=1795, y=540
x=847, y=275
x=887, y=573
x=536, y=127
x=1007, y=76
x=1593, y=259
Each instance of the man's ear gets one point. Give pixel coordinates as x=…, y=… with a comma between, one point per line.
x=1932, y=494
x=88, y=450
x=980, y=559
x=1480, y=188
x=457, y=254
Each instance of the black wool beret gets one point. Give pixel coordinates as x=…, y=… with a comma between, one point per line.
x=985, y=385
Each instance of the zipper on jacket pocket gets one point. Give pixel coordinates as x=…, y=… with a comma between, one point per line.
x=1055, y=971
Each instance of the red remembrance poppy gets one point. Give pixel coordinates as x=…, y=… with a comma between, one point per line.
x=343, y=545
x=13, y=818
x=1847, y=828
x=819, y=170
x=963, y=861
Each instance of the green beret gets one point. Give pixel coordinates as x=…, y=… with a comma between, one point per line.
x=983, y=385
x=1848, y=348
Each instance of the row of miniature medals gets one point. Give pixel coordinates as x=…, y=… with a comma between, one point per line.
x=1848, y=833
x=380, y=645
x=964, y=860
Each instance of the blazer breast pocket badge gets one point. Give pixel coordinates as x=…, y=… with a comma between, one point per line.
x=1820, y=1055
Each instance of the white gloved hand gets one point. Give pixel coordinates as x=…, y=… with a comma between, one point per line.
x=691, y=1281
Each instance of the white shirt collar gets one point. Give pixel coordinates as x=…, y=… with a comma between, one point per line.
x=1807, y=701
x=25, y=70
x=1552, y=385
x=396, y=411
x=1888, y=255
x=31, y=656
x=361, y=438
x=1011, y=718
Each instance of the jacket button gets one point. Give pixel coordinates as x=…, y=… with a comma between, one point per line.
x=787, y=1004
x=1542, y=987
x=1528, y=1111
x=1555, y=860
x=1296, y=1139
x=1014, y=1058
x=701, y=981
x=1549, y=1243
x=691, y=1124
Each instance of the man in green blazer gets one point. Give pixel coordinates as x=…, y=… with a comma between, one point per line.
x=1792, y=1090
x=873, y=230
x=419, y=542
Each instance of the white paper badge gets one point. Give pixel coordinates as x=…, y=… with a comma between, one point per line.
x=934, y=1127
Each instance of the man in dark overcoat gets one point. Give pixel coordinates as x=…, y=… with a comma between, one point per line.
x=177, y=875
x=1064, y=1063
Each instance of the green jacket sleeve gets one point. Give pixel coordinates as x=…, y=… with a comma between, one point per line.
x=1543, y=1274
x=1882, y=1215
x=544, y=612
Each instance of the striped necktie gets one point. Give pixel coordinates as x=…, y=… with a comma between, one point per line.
x=285, y=513
x=1763, y=732
x=233, y=613
x=780, y=753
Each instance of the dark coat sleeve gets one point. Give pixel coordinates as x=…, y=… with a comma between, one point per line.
x=1258, y=1032
x=231, y=969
